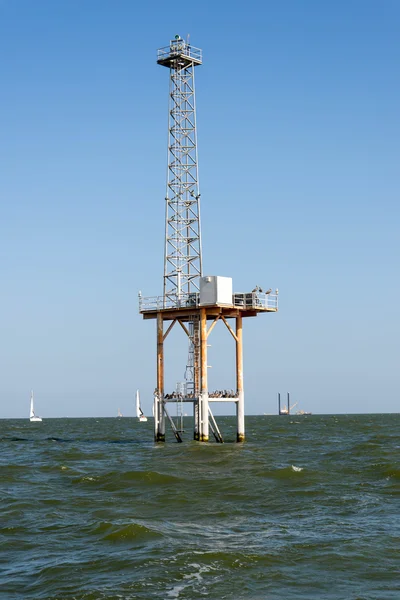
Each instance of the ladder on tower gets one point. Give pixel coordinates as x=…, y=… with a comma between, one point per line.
x=193, y=363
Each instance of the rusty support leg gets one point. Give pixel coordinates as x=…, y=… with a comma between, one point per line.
x=196, y=368
x=239, y=380
x=155, y=413
x=159, y=418
x=196, y=420
x=203, y=398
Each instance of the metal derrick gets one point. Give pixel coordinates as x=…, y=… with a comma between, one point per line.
x=182, y=253
x=190, y=299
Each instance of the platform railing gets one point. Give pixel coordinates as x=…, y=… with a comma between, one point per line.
x=256, y=300
x=178, y=48
x=245, y=300
x=151, y=303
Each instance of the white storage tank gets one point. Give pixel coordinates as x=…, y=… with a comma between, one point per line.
x=215, y=290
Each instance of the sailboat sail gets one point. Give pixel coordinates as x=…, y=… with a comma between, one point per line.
x=32, y=416
x=32, y=412
x=139, y=412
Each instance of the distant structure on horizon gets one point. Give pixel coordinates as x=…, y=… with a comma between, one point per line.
x=286, y=409
x=189, y=298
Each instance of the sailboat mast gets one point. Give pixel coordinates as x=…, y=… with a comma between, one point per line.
x=137, y=404
x=32, y=412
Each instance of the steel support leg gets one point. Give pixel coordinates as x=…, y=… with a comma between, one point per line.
x=239, y=381
x=196, y=420
x=159, y=418
x=203, y=396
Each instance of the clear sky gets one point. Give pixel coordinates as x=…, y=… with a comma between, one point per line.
x=299, y=152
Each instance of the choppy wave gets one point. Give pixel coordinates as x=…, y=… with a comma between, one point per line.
x=123, y=532
x=115, y=480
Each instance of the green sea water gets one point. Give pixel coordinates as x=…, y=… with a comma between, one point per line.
x=308, y=508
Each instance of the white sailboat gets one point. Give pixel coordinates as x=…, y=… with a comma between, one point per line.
x=139, y=412
x=32, y=416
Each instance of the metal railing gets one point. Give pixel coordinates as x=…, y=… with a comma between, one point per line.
x=179, y=48
x=246, y=300
x=159, y=302
x=256, y=300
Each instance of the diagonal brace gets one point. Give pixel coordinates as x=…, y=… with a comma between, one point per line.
x=213, y=324
x=229, y=328
x=168, y=330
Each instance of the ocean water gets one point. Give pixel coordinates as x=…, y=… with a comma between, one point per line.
x=308, y=508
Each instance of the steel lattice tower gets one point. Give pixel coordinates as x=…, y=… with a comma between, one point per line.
x=182, y=254
x=195, y=302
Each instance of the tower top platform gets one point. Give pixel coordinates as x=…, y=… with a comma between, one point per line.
x=179, y=54
x=248, y=304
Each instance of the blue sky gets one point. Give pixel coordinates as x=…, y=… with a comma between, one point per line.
x=299, y=148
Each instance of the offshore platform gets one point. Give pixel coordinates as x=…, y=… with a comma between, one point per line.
x=196, y=302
